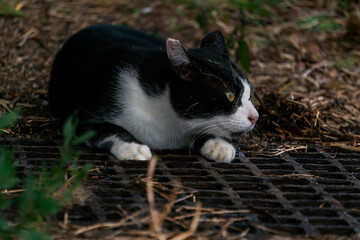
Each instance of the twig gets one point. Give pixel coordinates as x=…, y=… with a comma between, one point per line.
x=167, y=208
x=193, y=226
x=12, y=191
x=279, y=152
x=221, y=220
x=264, y=212
x=66, y=219
x=269, y=229
x=108, y=224
x=155, y=224
x=343, y=146
x=212, y=212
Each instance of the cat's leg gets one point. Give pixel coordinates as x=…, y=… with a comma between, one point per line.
x=118, y=142
x=216, y=148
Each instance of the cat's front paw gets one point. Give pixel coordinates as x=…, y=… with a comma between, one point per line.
x=218, y=150
x=131, y=151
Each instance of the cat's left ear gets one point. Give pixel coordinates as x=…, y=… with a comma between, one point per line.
x=176, y=52
x=216, y=39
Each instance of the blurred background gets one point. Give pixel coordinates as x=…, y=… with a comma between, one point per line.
x=301, y=56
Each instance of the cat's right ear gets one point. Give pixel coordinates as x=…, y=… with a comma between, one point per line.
x=176, y=52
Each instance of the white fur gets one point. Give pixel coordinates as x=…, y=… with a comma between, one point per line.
x=132, y=151
x=152, y=121
x=218, y=150
x=239, y=121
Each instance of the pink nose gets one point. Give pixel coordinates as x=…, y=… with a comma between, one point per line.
x=253, y=119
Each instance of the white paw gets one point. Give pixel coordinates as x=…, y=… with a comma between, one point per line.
x=218, y=150
x=131, y=151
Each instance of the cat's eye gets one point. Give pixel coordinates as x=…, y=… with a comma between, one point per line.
x=230, y=96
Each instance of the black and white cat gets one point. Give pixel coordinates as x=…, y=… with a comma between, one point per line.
x=139, y=92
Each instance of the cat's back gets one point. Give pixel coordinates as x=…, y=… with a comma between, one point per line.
x=84, y=68
x=110, y=36
x=106, y=45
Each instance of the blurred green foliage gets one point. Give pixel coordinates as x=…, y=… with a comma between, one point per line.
x=257, y=7
x=319, y=23
x=243, y=54
x=347, y=62
x=43, y=193
x=258, y=10
x=8, y=10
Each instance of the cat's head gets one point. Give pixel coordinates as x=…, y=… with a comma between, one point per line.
x=210, y=91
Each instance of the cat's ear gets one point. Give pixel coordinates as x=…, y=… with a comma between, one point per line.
x=214, y=38
x=176, y=52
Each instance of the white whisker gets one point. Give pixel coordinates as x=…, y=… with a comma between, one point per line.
x=190, y=108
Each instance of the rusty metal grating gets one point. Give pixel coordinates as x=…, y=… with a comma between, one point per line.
x=310, y=193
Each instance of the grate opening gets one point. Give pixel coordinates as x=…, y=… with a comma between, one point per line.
x=289, y=181
x=351, y=156
x=335, y=181
x=267, y=160
x=302, y=196
x=319, y=167
x=287, y=188
x=328, y=176
x=255, y=195
x=337, y=189
x=321, y=212
x=276, y=168
x=310, y=192
x=351, y=204
x=314, y=204
x=336, y=230
x=308, y=155
x=248, y=186
x=313, y=161
x=328, y=221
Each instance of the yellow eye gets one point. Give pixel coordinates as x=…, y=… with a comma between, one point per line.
x=230, y=96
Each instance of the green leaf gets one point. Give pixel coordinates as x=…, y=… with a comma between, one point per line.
x=9, y=11
x=347, y=62
x=69, y=128
x=33, y=235
x=7, y=119
x=326, y=25
x=191, y=4
x=271, y=2
x=45, y=205
x=7, y=169
x=202, y=20
x=80, y=174
x=4, y=203
x=243, y=54
x=319, y=23
x=4, y=225
x=137, y=11
x=36, y=203
x=83, y=138
x=254, y=8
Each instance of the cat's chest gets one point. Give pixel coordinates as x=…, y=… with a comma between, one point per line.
x=150, y=119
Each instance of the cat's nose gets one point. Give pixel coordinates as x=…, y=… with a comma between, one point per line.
x=253, y=118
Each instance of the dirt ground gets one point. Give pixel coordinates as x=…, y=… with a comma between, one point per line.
x=307, y=79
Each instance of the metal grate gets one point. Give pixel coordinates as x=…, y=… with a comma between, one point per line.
x=308, y=193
